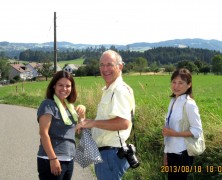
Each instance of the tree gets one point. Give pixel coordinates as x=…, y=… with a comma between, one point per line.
x=169, y=68
x=199, y=64
x=93, y=67
x=140, y=64
x=81, y=71
x=4, y=69
x=189, y=65
x=217, y=64
x=2, y=55
x=128, y=67
x=154, y=67
x=45, y=70
x=205, y=69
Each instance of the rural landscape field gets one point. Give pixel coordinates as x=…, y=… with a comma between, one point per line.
x=152, y=97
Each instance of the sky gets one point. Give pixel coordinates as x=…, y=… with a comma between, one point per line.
x=109, y=21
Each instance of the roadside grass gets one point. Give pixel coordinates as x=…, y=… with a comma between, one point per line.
x=152, y=97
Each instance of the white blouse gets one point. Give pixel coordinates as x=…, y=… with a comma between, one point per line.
x=177, y=144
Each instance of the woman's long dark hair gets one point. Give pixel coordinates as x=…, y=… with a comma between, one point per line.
x=185, y=75
x=62, y=74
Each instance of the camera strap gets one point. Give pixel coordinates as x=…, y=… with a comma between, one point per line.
x=134, y=135
x=133, y=128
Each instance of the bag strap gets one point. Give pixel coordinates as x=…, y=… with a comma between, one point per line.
x=133, y=127
x=185, y=122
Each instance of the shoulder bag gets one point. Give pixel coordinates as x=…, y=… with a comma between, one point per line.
x=195, y=146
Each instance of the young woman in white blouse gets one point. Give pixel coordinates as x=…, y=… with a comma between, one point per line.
x=175, y=153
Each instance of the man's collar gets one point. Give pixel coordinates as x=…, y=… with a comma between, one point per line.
x=114, y=84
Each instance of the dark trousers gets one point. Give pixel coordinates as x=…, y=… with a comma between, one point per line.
x=45, y=171
x=177, y=164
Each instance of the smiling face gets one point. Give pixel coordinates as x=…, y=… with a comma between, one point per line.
x=179, y=86
x=110, y=68
x=63, y=88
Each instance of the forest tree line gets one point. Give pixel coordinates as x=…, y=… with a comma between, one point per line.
x=197, y=60
x=162, y=55
x=152, y=60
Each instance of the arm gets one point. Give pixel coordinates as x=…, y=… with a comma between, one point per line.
x=194, y=118
x=194, y=121
x=171, y=132
x=114, y=124
x=121, y=104
x=44, y=124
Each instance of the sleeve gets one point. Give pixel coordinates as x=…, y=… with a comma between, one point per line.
x=194, y=118
x=47, y=107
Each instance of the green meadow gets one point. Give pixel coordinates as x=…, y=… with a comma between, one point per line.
x=152, y=97
x=75, y=61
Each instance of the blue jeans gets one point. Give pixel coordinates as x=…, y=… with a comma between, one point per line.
x=112, y=167
x=45, y=171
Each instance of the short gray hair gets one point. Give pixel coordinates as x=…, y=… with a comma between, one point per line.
x=117, y=55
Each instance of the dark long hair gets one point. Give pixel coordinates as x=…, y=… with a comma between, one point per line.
x=185, y=75
x=62, y=74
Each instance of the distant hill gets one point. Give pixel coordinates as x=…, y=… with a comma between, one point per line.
x=181, y=43
x=13, y=49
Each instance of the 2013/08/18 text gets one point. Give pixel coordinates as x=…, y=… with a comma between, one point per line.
x=175, y=169
x=189, y=169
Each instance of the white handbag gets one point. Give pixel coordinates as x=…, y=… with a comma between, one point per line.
x=195, y=146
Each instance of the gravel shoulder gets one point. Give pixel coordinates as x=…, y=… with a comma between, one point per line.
x=19, y=145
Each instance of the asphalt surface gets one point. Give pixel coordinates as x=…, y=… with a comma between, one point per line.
x=19, y=141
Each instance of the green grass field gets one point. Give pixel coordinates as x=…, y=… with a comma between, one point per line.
x=75, y=61
x=152, y=98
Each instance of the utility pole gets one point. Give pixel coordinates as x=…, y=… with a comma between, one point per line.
x=55, y=45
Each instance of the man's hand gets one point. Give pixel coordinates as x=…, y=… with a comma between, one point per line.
x=85, y=123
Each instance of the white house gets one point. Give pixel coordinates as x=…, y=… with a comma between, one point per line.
x=58, y=68
x=18, y=70
x=33, y=66
x=71, y=67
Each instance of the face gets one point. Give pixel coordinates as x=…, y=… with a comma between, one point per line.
x=179, y=86
x=109, y=68
x=63, y=88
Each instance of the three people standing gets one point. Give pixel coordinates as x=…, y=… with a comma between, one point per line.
x=112, y=126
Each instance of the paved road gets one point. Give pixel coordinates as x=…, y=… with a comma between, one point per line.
x=19, y=142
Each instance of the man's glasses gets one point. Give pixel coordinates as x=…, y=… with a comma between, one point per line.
x=109, y=65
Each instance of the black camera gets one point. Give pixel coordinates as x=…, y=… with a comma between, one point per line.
x=129, y=153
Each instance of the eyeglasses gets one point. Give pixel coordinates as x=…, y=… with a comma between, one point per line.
x=109, y=65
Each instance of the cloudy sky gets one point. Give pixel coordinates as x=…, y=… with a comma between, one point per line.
x=109, y=21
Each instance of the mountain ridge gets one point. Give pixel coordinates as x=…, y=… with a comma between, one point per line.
x=212, y=44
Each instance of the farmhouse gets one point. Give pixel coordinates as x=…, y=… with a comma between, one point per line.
x=70, y=68
x=58, y=68
x=24, y=72
x=18, y=70
x=33, y=67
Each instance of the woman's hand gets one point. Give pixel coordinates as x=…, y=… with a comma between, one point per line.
x=171, y=132
x=165, y=162
x=81, y=110
x=168, y=132
x=55, y=167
